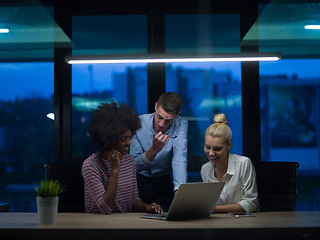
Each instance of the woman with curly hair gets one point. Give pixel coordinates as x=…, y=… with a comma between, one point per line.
x=240, y=192
x=110, y=174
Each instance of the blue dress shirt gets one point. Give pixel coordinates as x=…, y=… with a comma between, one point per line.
x=171, y=159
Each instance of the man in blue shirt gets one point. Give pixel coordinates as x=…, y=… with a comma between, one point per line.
x=160, y=150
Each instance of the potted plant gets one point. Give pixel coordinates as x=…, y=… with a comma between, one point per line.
x=47, y=200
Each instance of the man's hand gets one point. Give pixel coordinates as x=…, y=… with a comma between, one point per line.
x=159, y=141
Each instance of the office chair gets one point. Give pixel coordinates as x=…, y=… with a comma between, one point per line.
x=4, y=207
x=194, y=167
x=69, y=175
x=277, y=185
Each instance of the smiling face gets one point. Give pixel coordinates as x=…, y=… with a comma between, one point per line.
x=162, y=120
x=216, y=149
x=124, y=142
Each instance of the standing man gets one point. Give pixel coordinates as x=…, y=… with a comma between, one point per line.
x=160, y=150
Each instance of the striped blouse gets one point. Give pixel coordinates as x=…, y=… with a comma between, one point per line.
x=96, y=173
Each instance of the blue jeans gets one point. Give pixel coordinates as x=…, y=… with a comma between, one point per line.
x=156, y=189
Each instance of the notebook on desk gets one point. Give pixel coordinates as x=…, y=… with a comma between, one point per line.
x=191, y=201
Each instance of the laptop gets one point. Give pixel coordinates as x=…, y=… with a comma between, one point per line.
x=192, y=201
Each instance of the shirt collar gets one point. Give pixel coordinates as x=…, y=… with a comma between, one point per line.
x=231, y=165
x=151, y=123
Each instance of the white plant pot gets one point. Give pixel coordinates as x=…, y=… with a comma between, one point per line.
x=47, y=210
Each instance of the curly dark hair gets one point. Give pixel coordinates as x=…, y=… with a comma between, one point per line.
x=109, y=121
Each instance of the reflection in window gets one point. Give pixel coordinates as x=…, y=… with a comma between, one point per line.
x=207, y=89
x=109, y=34
x=290, y=122
x=202, y=33
x=26, y=133
x=95, y=84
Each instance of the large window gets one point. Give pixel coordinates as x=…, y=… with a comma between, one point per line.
x=99, y=83
x=26, y=99
x=26, y=133
x=290, y=101
x=205, y=88
x=290, y=114
x=202, y=33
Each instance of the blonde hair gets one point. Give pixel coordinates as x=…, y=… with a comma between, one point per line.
x=219, y=128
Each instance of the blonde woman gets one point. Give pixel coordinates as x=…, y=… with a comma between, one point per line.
x=240, y=192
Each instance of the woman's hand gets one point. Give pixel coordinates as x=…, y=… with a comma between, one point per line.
x=235, y=207
x=154, y=208
x=113, y=158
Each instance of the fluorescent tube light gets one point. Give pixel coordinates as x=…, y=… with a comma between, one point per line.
x=169, y=58
x=4, y=30
x=312, y=26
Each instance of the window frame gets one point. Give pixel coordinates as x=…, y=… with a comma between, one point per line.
x=155, y=12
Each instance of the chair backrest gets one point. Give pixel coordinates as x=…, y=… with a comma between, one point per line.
x=195, y=162
x=69, y=175
x=4, y=207
x=277, y=185
x=194, y=167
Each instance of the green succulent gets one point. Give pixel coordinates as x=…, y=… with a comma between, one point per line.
x=49, y=188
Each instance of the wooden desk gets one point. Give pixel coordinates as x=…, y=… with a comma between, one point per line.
x=266, y=225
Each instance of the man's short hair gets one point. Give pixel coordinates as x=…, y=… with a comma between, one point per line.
x=170, y=102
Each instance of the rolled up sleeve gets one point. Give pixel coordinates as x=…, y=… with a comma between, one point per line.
x=250, y=202
x=180, y=156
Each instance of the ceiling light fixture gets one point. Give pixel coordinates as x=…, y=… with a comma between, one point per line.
x=312, y=27
x=51, y=116
x=170, y=58
x=4, y=30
